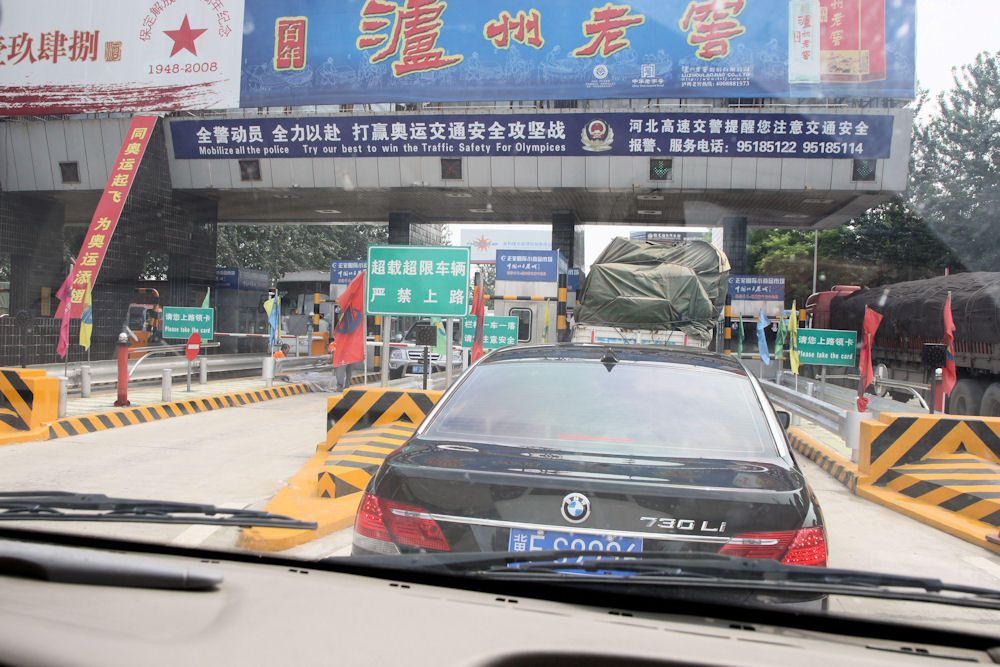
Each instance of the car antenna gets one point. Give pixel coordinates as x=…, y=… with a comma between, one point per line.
x=609, y=359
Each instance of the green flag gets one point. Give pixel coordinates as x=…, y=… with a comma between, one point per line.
x=204, y=304
x=442, y=337
x=779, y=341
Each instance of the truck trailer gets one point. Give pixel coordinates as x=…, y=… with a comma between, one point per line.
x=912, y=315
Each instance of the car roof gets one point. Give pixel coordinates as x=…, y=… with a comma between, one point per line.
x=671, y=354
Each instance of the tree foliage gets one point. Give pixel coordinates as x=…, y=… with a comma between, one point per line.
x=888, y=244
x=955, y=179
x=279, y=249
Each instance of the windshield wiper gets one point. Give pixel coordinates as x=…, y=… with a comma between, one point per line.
x=68, y=506
x=716, y=571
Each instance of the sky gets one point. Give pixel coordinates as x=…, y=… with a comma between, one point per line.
x=950, y=33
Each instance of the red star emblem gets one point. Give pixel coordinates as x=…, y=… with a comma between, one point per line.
x=184, y=37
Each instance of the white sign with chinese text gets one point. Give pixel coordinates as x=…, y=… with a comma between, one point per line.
x=120, y=55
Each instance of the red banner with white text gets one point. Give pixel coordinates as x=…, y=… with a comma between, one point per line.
x=109, y=210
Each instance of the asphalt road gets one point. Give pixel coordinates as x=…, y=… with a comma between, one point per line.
x=239, y=457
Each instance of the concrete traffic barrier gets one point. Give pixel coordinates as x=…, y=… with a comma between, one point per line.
x=363, y=427
x=943, y=470
x=28, y=401
x=357, y=409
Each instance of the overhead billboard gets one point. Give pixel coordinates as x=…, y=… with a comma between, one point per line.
x=304, y=52
x=119, y=55
x=484, y=242
x=702, y=134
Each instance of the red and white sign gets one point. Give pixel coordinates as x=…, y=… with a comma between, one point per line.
x=119, y=55
x=193, y=346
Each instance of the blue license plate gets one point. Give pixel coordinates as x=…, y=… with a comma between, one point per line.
x=526, y=541
x=417, y=369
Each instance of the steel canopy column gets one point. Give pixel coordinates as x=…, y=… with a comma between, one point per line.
x=734, y=243
x=564, y=233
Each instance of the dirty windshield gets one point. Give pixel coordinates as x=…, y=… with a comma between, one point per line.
x=352, y=279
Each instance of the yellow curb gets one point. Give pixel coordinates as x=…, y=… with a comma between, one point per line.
x=967, y=529
x=24, y=436
x=300, y=499
x=128, y=416
x=844, y=470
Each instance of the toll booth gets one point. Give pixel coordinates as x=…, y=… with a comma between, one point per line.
x=527, y=287
x=238, y=302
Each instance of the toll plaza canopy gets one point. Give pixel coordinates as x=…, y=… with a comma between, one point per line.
x=409, y=112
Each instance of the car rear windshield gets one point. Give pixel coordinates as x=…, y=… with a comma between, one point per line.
x=642, y=409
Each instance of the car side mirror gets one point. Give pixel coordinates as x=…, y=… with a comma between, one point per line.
x=398, y=337
x=784, y=418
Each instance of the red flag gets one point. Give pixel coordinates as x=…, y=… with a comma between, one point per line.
x=948, y=378
x=63, y=344
x=64, y=310
x=872, y=320
x=350, y=330
x=479, y=310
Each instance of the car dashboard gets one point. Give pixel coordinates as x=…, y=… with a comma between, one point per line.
x=269, y=611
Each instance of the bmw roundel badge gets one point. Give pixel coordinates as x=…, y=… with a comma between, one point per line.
x=575, y=507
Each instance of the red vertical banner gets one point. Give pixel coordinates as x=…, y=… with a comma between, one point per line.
x=109, y=210
x=350, y=329
x=479, y=311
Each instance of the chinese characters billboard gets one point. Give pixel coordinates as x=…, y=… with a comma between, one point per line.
x=751, y=294
x=343, y=271
x=529, y=265
x=119, y=55
x=417, y=280
x=498, y=331
x=702, y=134
x=304, y=52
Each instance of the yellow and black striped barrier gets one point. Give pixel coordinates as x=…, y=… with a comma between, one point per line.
x=28, y=399
x=357, y=409
x=943, y=470
x=354, y=459
x=363, y=427
x=102, y=421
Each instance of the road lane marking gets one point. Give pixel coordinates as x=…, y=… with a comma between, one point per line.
x=197, y=534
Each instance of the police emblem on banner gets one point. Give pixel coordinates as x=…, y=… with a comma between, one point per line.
x=597, y=136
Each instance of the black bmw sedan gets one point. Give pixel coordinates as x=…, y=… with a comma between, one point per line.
x=596, y=448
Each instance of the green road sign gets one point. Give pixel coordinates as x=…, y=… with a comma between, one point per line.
x=498, y=331
x=827, y=347
x=182, y=322
x=431, y=281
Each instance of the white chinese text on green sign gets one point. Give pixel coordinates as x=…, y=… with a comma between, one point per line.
x=182, y=322
x=498, y=331
x=827, y=347
x=430, y=281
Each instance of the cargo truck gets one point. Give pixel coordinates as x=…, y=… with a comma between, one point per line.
x=913, y=314
x=639, y=293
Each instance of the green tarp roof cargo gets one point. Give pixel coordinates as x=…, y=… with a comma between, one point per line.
x=639, y=285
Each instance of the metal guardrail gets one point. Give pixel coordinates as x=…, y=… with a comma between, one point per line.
x=165, y=349
x=843, y=422
x=914, y=388
x=106, y=372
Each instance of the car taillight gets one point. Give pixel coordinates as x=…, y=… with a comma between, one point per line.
x=806, y=546
x=389, y=521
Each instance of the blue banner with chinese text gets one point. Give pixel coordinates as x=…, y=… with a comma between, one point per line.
x=704, y=134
